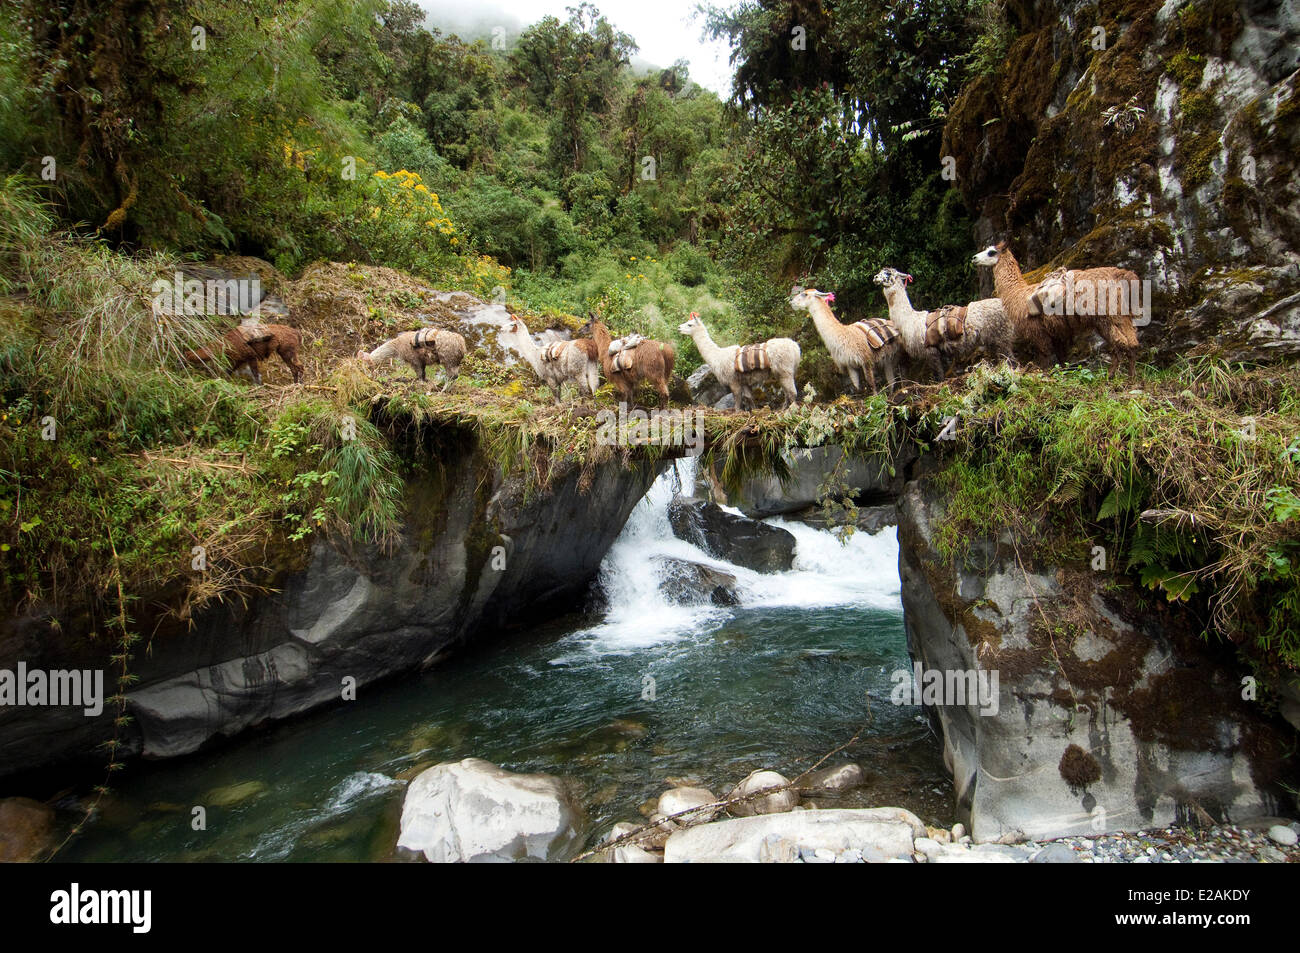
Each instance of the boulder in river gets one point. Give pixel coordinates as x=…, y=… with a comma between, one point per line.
x=775, y=803
x=629, y=852
x=473, y=811
x=730, y=536
x=680, y=799
x=834, y=780
x=690, y=583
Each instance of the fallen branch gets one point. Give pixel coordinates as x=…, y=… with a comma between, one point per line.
x=713, y=806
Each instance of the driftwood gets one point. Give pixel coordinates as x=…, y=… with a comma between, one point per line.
x=647, y=829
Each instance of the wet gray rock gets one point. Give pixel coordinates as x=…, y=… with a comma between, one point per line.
x=812, y=473
x=834, y=780
x=728, y=536
x=1127, y=757
x=775, y=803
x=339, y=612
x=690, y=583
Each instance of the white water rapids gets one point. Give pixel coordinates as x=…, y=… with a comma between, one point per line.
x=860, y=572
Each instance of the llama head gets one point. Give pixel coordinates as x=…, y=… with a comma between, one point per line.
x=363, y=355
x=806, y=296
x=989, y=256
x=588, y=329
x=888, y=277
x=513, y=326
x=691, y=323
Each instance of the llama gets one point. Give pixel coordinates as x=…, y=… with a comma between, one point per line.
x=951, y=332
x=556, y=364
x=740, y=368
x=1039, y=314
x=854, y=348
x=420, y=349
x=243, y=347
x=645, y=360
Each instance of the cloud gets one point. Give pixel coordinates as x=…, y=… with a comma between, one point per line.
x=665, y=30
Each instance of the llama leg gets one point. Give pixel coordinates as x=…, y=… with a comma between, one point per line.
x=791, y=389
x=290, y=357
x=854, y=380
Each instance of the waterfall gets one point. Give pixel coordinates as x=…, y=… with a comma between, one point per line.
x=860, y=573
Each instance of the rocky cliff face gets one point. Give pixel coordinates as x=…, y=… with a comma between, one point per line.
x=1108, y=712
x=1157, y=135
x=342, y=613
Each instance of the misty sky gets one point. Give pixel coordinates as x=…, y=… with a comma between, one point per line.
x=664, y=29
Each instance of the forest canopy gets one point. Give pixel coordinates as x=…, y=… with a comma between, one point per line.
x=356, y=130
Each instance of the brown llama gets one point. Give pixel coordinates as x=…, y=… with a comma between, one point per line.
x=1052, y=314
x=646, y=360
x=243, y=347
x=421, y=348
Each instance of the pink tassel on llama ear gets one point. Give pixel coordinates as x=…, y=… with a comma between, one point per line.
x=830, y=297
x=908, y=279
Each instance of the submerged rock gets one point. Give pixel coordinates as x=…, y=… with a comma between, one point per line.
x=26, y=829
x=737, y=539
x=233, y=794
x=834, y=780
x=475, y=812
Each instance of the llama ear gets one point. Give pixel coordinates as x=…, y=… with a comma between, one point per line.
x=796, y=290
x=1001, y=246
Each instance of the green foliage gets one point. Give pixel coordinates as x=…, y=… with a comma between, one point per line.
x=1163, y=479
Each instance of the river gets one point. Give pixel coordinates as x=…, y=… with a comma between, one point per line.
x=620, y=698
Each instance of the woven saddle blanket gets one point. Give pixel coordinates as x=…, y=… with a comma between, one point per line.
x=877, y=331
x=752, y=357
x=552, y=352
x=944, y=324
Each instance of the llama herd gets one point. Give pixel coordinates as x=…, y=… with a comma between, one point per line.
x=1041, y=319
